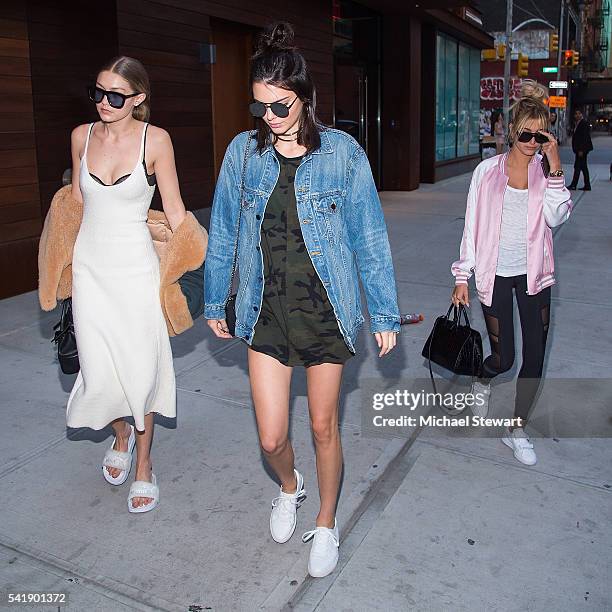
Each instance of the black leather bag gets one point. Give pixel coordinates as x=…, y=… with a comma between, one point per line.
x=65, y=340
x=230, y=304
x=454, y=346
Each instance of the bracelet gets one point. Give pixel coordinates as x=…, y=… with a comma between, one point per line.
x=556, y=173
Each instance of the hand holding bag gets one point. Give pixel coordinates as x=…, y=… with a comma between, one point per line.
x=230, y=305
x=65, y=340
x=454, y=346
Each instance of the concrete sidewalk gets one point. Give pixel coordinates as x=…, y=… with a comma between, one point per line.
x=407, y=508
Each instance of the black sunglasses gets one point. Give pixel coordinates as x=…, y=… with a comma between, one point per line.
x=259, y=109
x=526, y=136
x=115, y=99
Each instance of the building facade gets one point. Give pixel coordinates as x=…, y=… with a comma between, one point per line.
x=401, y=78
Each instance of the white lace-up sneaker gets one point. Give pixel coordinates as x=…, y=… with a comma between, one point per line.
x=482, y=393
x=284, y=511
x=521, y=446
x=324, y=551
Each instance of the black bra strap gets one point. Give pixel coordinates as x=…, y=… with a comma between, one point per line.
x=144, y=146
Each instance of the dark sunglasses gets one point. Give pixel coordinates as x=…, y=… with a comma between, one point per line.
x=526, y=136
x=115, y=99
x=259, y=109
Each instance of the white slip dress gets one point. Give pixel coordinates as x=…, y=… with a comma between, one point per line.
x=122, y=338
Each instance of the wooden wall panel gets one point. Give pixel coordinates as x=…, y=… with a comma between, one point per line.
x=50, y=50
x=401, y=108
x=20, y=214
x=166, y=35
x=69, y=41
x=166, y=38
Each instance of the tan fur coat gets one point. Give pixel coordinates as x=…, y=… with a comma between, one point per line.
x=179, y=252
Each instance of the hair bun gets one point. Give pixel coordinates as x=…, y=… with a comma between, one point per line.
x=533, y=89
x=276, y=37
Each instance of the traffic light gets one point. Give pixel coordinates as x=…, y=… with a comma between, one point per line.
x=575, y=58
x=568, y=58
x=522, y=67
x=554, y=43
x=489, y=54
x=501, y=51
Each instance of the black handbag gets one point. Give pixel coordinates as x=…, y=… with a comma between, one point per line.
x=65, y=340
x=454, y=346
x=230, y=304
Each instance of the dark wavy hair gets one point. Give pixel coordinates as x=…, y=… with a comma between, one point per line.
x=277, y=62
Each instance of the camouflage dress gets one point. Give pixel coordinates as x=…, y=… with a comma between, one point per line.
x=296, y=325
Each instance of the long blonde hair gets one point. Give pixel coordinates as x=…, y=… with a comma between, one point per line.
x=136, y=75
x=531, y=105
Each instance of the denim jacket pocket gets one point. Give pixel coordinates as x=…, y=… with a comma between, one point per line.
x=329, y=214
x=249, y=198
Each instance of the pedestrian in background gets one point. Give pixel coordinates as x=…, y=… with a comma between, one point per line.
x=311, y=225
x=498, y=130
x=581, y=146
x=507, y=243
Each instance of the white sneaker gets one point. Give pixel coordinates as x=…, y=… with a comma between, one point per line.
x=324, y=551
x=520, y=444
x=284, y=511
x=482, y=393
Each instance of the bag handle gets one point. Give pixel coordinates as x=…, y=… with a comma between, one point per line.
x=457, y=312
x=240, y=194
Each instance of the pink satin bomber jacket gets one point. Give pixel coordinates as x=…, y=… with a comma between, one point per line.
x=549, y=205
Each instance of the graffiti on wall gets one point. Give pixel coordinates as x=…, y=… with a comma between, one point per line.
x=492, y=88
x=534, y=43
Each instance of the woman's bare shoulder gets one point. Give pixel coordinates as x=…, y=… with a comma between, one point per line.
x=79, y=133
x=158, y=135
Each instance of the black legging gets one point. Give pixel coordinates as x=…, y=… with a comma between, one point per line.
x=534, y=311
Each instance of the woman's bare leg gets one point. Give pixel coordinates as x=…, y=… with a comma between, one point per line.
x=122, y=434
x=270, y=385
x=323, y=395
x=144, y=465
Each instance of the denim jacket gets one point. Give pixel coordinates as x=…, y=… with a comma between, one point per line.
x=342, y=224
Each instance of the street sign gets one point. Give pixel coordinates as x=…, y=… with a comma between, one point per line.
x=549, y=69
x=557, y=85
x=557, y=101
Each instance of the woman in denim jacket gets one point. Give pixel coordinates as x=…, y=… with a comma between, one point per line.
x=311, y=225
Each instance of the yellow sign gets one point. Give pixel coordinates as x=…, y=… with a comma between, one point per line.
x=557, y=101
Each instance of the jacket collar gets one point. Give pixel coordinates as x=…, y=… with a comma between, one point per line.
x=501, y=164
x=326, y=146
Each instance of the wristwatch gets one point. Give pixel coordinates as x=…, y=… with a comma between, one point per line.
x=556, y=173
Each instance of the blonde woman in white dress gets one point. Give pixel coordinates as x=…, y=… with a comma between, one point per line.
x=124, y=350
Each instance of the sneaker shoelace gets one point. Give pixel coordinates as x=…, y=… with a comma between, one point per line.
x=288, y=502
x=522, y=441
x=320, y=534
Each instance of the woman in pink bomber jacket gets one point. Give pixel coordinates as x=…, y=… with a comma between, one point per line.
x=507, y=243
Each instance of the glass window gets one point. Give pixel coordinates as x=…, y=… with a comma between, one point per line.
x=474, y=146
x=463, y=102
x=450, y=93
x=457, y=98
x=440, y=98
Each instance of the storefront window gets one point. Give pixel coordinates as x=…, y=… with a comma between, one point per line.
x=457, y=98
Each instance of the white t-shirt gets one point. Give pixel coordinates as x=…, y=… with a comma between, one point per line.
x=512, y=257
